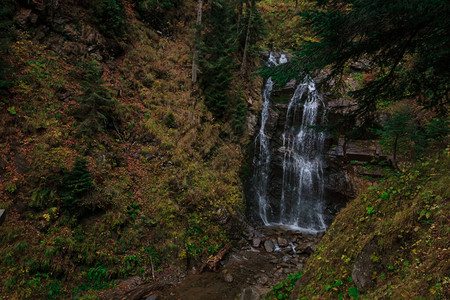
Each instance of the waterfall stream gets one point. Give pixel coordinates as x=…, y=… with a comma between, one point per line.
x=301, y=204
x=262, y=161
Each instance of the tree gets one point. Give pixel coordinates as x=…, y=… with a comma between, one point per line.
x=75, y=185
x=96, y=108
x=216, y=60
x=404, y=44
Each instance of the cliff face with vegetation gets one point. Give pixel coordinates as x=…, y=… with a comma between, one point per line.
x=111, y=165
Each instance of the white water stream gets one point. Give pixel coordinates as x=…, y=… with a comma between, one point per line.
x=301, y=205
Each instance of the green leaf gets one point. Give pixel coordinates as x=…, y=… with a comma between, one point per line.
x=353, y=292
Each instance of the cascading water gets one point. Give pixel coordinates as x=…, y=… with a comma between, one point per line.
x=301, y=203
x=262, y=161
x=302, y=192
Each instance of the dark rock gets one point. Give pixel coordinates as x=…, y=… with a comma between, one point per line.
x=152, y=297
x=269, y=246
x=286, y=258
x=306, y=248
x=33, y=18
x=360, y=65
x=364, y=267
x=2, y=216
x=70, y=31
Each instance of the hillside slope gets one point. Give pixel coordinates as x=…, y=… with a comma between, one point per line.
x=110, y=164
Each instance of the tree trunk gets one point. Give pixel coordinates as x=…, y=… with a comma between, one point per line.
x=296, y=6
x=197, y=38
x=247, y=38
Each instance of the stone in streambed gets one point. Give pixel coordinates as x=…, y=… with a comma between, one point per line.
x=256, y=242
x=282, y=242
x=269, y=246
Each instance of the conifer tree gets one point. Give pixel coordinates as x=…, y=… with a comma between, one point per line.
x=96, y=107
x=216, y=61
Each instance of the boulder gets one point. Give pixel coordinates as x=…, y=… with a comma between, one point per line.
x=22, y=17
x=269, y=246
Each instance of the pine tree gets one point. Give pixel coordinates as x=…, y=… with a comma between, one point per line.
x=216, y=61
x=96, y=108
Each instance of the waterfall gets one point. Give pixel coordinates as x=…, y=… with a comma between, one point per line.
x=302, y=191
x=262, y=161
